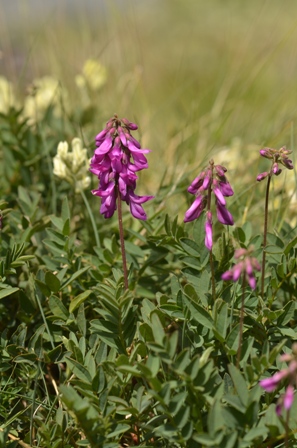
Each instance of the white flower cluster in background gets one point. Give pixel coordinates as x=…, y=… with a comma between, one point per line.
x=73, y=166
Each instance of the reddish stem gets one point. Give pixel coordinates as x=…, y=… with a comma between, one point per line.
x=122, y=241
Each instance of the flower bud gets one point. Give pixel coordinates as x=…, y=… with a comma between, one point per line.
x=262, y=176
x=129, y=124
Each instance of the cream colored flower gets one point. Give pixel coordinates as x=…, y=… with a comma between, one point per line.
x=92, y=78
x=232, y=156
x=45, y=92
x=94, y=74
x=72, y=166
x=7, y=97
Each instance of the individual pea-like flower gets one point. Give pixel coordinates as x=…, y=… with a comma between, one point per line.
x=277, y=156
x=117, y=157
x=211, y=180
x=72, y=165
x=208, y=230
x=285, y=401
x=245, y=267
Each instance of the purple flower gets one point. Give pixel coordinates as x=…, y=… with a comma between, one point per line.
x=289, y=397
x=277, y=156
x=262, y=176
x=270, y=384
x=135, y=204
x=246, y=266
x=211, y=180
x=208, y=230
x=196, y=208
x=223, y=215
x=285, y=401
x=117, y=157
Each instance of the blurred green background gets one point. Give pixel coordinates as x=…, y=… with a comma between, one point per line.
x=198, y=76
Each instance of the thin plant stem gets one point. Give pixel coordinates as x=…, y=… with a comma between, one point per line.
x=91, y=217
x=213, y=284
x=45, y=322
x=122, y=241
x=265, y=235
x=241, y=319
x=287, y=429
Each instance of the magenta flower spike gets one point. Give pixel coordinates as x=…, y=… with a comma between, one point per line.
x=277, y=156
x=117, y=157
x=211, y=180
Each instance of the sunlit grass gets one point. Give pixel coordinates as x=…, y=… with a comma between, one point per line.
x=196, y=75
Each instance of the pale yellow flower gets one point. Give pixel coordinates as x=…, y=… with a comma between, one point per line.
x=237, y=156
x=7, y=97
x=92, y=78
x=94, y=73
x=73, y=166
x=45, y=92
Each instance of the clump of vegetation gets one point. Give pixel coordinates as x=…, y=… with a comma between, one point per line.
x=128, y=325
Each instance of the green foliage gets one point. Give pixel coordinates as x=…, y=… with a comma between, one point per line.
x=84, y=362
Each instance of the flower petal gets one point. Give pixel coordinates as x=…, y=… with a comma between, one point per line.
x=223, y=215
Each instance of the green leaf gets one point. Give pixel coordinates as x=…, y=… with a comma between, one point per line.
x=256, y=433
x=74, y=276
x=232, y=340
x=199, y=314
x=132, y=249
x=288, y=313
x=75, y=303
x=221, y=318
x=190, y=247
x=7, y=292
x=58, y=222
x=57, y=308
x=65, y=214
x=52, y=281
x=215, y=420
x=79, y=370
x=157, y=328
x=119, y=429
x=239, y=384
x=290, y=245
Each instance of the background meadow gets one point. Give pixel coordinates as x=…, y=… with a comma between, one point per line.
x=82, y=362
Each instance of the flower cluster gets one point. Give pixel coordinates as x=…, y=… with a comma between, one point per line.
x=211, y=179
x=277, y=156
x=72, y=166
x=117, y=158
x=285, y=401
x=45, y=93
x=93, y=75
x=245, y=267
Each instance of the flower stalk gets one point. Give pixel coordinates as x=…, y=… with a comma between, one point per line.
x=211, y=180
x=117, y=158
x=244, y=268
x=277, y=157
x=122, y=241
